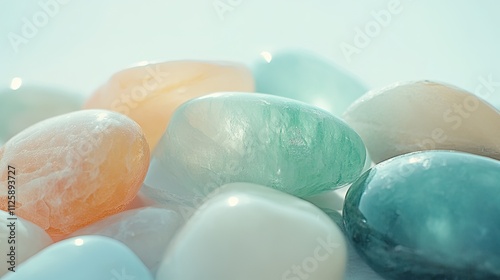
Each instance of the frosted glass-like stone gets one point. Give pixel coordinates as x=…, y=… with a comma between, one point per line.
x=249, y=232
x=26, y=238
x=306, y=77
x=150, y=94
x=428, y=215
x=424, y=115
x=258, y=138
x=83, y=258
x=74, y=169
x=28, y=105
x=146, y=231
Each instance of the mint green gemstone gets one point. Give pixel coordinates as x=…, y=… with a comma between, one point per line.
x=428, y=215
x=257, y=138
x=27, y=105
x=308, y=78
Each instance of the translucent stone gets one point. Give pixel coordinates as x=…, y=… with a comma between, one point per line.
x=258, y=138
x=146, y=231
x=424, y=115
x=26, y=238
x=28, y=105
x=247, y=231
x=150, y=94
x=83, y=258
x=306, y=77
x=428, y=215
x=356, y=269
x=74, y=169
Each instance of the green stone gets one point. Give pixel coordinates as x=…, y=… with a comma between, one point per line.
x=257, y=138
x=309, y=78
x=428, y=215
x=27, y=105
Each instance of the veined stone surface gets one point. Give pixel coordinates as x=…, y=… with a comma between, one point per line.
x=26, y=238
x=424, y=115
x=258, y=138
x=428, y=215
x=306, y=77
x=83, y=258
x=146, y=231
x=249, y=232
x=149, y=94
x=74, y=169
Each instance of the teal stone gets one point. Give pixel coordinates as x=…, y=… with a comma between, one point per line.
x=428, y=215
x=82, y=258
x=256, y=138
x=309, y=78
x=28, y=105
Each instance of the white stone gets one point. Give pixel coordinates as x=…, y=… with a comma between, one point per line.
x=424, y=115
x=28, y=239
x=249, y=232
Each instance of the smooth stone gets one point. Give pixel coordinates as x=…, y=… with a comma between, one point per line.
x=357, y=268
x=247, y=232
x=75, y=169
x=28, y=105
x=83, y=258
x=424, y=115
x=28, y=239
x=257, y=138
x=309, y=78
x=146, y=231
x=149, y=94
x=428, y=215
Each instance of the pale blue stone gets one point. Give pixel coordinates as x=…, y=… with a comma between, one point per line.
x=428, y=215
x=309, y=78
x=82, y=258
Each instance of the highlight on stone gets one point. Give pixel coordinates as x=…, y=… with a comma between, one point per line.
x=308, y=78
x=258, y=138
x=428, y=215
x=249, y=231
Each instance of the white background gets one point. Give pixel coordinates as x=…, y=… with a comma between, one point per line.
x=82, y=44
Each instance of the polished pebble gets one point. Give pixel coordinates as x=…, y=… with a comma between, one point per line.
x=258, y=138
x=25, y=237
x=246, y=232
x=424, y=115
x=428, y=215
x=83, y=258
x=28, y=105
x=306, y=77
x=146, y=231
x=74, y=169
x=149, y=94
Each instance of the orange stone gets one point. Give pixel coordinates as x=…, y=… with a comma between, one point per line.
x=150, y=94
x=74, y=169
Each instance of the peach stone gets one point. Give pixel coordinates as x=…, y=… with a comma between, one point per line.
x=74, y=169
x=150, y=94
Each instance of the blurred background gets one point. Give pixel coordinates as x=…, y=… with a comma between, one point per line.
x=76, y=45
